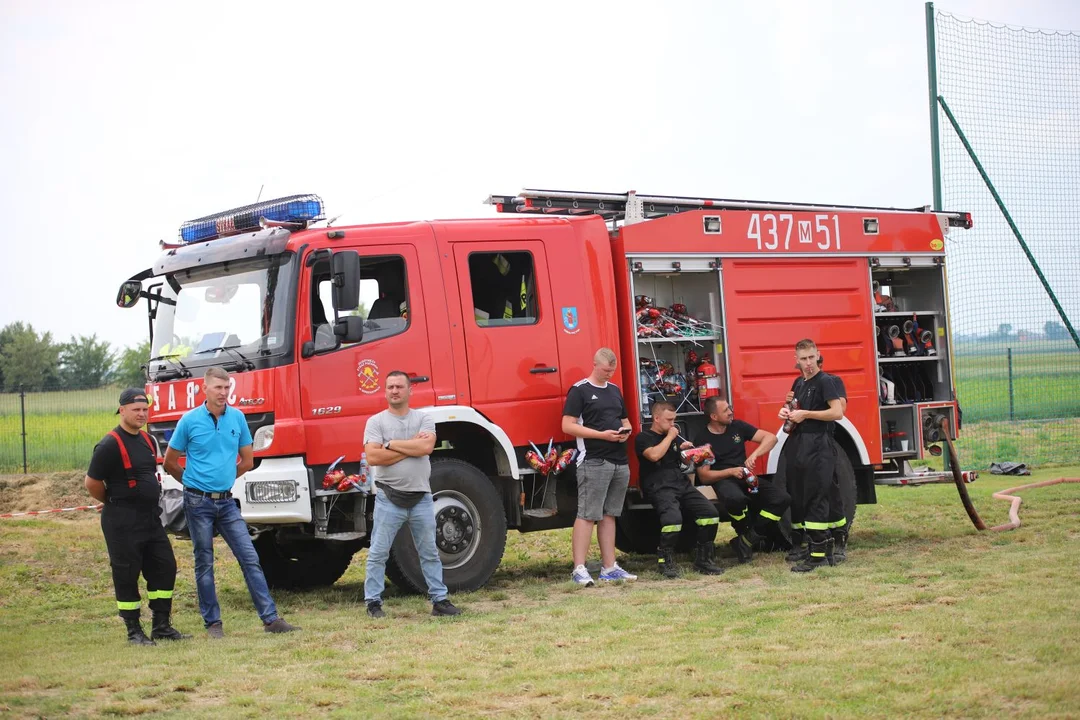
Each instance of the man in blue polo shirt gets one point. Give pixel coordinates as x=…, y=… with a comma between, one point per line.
x=212, y=436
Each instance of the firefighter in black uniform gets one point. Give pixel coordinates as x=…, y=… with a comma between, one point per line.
x=727, y=475
x=838, y=533
x=671, y=492
x=810, y=455
x=123, y=476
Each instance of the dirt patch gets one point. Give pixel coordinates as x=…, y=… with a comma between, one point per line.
x=25, y=493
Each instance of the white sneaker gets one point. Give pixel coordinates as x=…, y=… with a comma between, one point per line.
x=615, y=573
x=582, y=577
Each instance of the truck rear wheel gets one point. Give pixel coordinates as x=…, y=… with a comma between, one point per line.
x=302, y=564
x=638, y=532
x=845, y=475
x=470, y=531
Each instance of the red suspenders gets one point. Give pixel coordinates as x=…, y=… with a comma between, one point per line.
x=124, y=453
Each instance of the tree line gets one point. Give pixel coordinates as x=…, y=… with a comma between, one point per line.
x=35, y=361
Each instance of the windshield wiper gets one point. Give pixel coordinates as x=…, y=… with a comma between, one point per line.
x=166, y=375
x=244, y=362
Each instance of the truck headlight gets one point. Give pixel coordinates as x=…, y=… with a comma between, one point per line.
x=272, y=491
x=264, y=436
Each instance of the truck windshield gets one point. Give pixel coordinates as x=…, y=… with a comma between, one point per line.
x=234, y=314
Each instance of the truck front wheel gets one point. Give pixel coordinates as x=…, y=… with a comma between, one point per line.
x=470, y=531
x=302, y=564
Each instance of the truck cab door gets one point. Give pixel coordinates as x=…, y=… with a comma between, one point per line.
x=510, y=336
x=341, y=386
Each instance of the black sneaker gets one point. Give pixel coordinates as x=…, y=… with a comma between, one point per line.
x=444, y=608
x=374, y=609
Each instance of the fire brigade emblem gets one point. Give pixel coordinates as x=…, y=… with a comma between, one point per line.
x=737, y=438
x=367, y=372
x=570, y=320
x=936, y=244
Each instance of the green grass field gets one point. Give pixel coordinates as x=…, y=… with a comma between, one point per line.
x=928, y=618
x=1045, y=385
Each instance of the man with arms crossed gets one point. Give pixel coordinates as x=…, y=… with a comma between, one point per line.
x=398, y=442
x=212, y=435
x=595, y=414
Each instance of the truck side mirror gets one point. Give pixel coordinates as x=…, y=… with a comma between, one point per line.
x=349, y=329
x=129, y=294
x=345, y=290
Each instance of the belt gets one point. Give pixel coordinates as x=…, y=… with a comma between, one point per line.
x=131, y=502
x=213, y=496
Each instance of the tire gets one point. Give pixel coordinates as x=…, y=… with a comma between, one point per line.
x=302, y=565
x=845, y=476
x=470, y=527
x=638, y=532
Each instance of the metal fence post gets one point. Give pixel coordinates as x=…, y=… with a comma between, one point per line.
x=1008, y=354
x=22, y=413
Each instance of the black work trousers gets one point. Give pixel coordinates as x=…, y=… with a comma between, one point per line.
x=815, y=491
x=137, y=544
x=760, y=511
x=672, y=495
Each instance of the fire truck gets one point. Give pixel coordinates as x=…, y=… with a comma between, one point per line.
x=495, y=319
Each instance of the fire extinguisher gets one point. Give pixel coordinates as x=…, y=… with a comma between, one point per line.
x=708, y=381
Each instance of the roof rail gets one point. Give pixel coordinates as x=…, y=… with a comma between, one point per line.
x=630, y=207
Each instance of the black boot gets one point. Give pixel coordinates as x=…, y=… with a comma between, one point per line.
x=743, y=545
x=666, y=563
x=839, y=551
x=817, y=556
x=704, y=562
x=163, y=630
x=135, y=633
x=798, y=547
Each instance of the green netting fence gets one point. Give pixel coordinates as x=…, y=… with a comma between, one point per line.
x=1015, y=94
x=53, y=429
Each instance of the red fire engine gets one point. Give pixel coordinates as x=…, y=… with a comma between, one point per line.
x=495, y=319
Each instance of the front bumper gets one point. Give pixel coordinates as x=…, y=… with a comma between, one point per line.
x=269, y=470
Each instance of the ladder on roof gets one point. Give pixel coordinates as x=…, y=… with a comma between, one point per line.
x=629, y=207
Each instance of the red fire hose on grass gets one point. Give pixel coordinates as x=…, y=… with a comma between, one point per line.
x=1015, y=500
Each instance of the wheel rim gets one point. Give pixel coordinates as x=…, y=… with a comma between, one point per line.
x=457, y=528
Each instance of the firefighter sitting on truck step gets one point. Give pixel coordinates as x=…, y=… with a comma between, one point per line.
x=728, y=437
x=810, y=456
x=671, y=493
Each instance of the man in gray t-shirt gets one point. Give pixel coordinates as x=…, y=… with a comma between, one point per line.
x=398, y=442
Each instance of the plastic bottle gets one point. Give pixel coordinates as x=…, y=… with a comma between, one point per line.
x=789, y=424
x=365, y=474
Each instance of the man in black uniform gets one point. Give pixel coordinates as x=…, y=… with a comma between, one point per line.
x=839, y=534
x=123, y=476
x=728, y=437
x=672, y=493
x=810, y=455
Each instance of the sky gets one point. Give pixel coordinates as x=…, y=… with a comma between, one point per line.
x=119, y=121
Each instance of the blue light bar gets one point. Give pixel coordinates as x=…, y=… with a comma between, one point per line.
x=300, y=209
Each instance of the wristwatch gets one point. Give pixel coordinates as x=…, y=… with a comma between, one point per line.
x=386, y=445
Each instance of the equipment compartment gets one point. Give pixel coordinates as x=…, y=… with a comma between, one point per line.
x=680, y=338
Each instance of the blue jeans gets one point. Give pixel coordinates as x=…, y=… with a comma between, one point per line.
x=203, y=517
x=388, y=520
